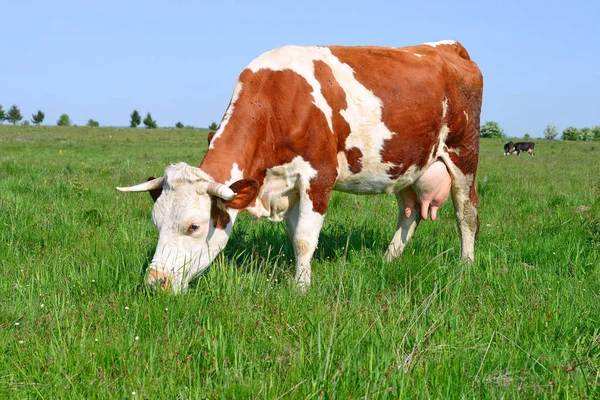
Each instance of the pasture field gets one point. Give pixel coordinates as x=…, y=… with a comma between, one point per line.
x=77, y=322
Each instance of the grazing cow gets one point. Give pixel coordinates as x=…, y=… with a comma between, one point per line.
x=509, y=148
x=526, y=147
x=304, y=121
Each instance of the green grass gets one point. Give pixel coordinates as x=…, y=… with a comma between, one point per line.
x=76, y=321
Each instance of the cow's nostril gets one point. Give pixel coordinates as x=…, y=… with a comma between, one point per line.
x=158, y=279
x=163, y=282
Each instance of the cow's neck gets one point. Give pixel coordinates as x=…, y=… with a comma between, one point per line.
x=230, y=160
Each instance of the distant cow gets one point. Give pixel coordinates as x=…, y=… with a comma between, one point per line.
x=304, y=121
x=526, y=147
x=210, y=136
x=509, y=147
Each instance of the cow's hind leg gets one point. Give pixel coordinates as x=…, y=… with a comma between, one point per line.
x=466, y=203
x=404, y=229
x=464, y=196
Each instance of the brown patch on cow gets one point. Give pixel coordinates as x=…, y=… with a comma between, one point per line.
x=336, y=99
x=354, y=155
x=219, y=216
x=275, y=120
x=395, y=171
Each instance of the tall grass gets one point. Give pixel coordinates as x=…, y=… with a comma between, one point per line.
x=76, y=322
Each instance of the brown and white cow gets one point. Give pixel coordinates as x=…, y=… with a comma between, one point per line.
x=304, y=121
x=509, y=148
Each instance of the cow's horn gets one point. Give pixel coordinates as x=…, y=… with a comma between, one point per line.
x=220, y=190
x=144, y=187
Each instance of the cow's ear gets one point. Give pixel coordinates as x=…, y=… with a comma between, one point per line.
x=245, y=191
x=210, y=137
x=154, y=193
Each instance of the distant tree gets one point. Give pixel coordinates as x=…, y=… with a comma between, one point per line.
x=179, y=125
x=586, y=134
x=2, y=115
x=64, y=120
x=149, y=122
x=93, y=124
x=526, y=136
x=38, y=118
x=491, y=129
x=25, y=123
x=596, y=131
x=570, y=133
x=14, y=115
x=136, y=119
x=213, y=126
x=550, y=132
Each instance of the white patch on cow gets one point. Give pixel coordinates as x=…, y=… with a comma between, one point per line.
x=443, y=136
x=282, y=188
x=466, y=116
x=441, y=42
x=236, y=174
x=236, y=94
x=300, y=60
x=418, y=55
x=444, y=131
x=444, y=108
x=305, y=237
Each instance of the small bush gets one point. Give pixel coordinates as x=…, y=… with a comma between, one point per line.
x=64, y=120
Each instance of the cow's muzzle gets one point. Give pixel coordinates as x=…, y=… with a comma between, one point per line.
x=158, y=279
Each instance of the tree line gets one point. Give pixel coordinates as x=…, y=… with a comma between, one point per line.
x=491, y=129
x=13, y=115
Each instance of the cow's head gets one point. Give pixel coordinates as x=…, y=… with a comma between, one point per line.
x=194, y=216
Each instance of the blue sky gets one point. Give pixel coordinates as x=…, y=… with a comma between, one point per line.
x=180, y=59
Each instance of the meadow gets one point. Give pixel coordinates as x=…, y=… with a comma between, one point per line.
x=76, y=321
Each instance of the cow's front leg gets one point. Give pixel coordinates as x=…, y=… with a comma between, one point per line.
x=404, y=230
x=303, y=225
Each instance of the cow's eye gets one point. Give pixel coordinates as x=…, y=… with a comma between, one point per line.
x=193, y=228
